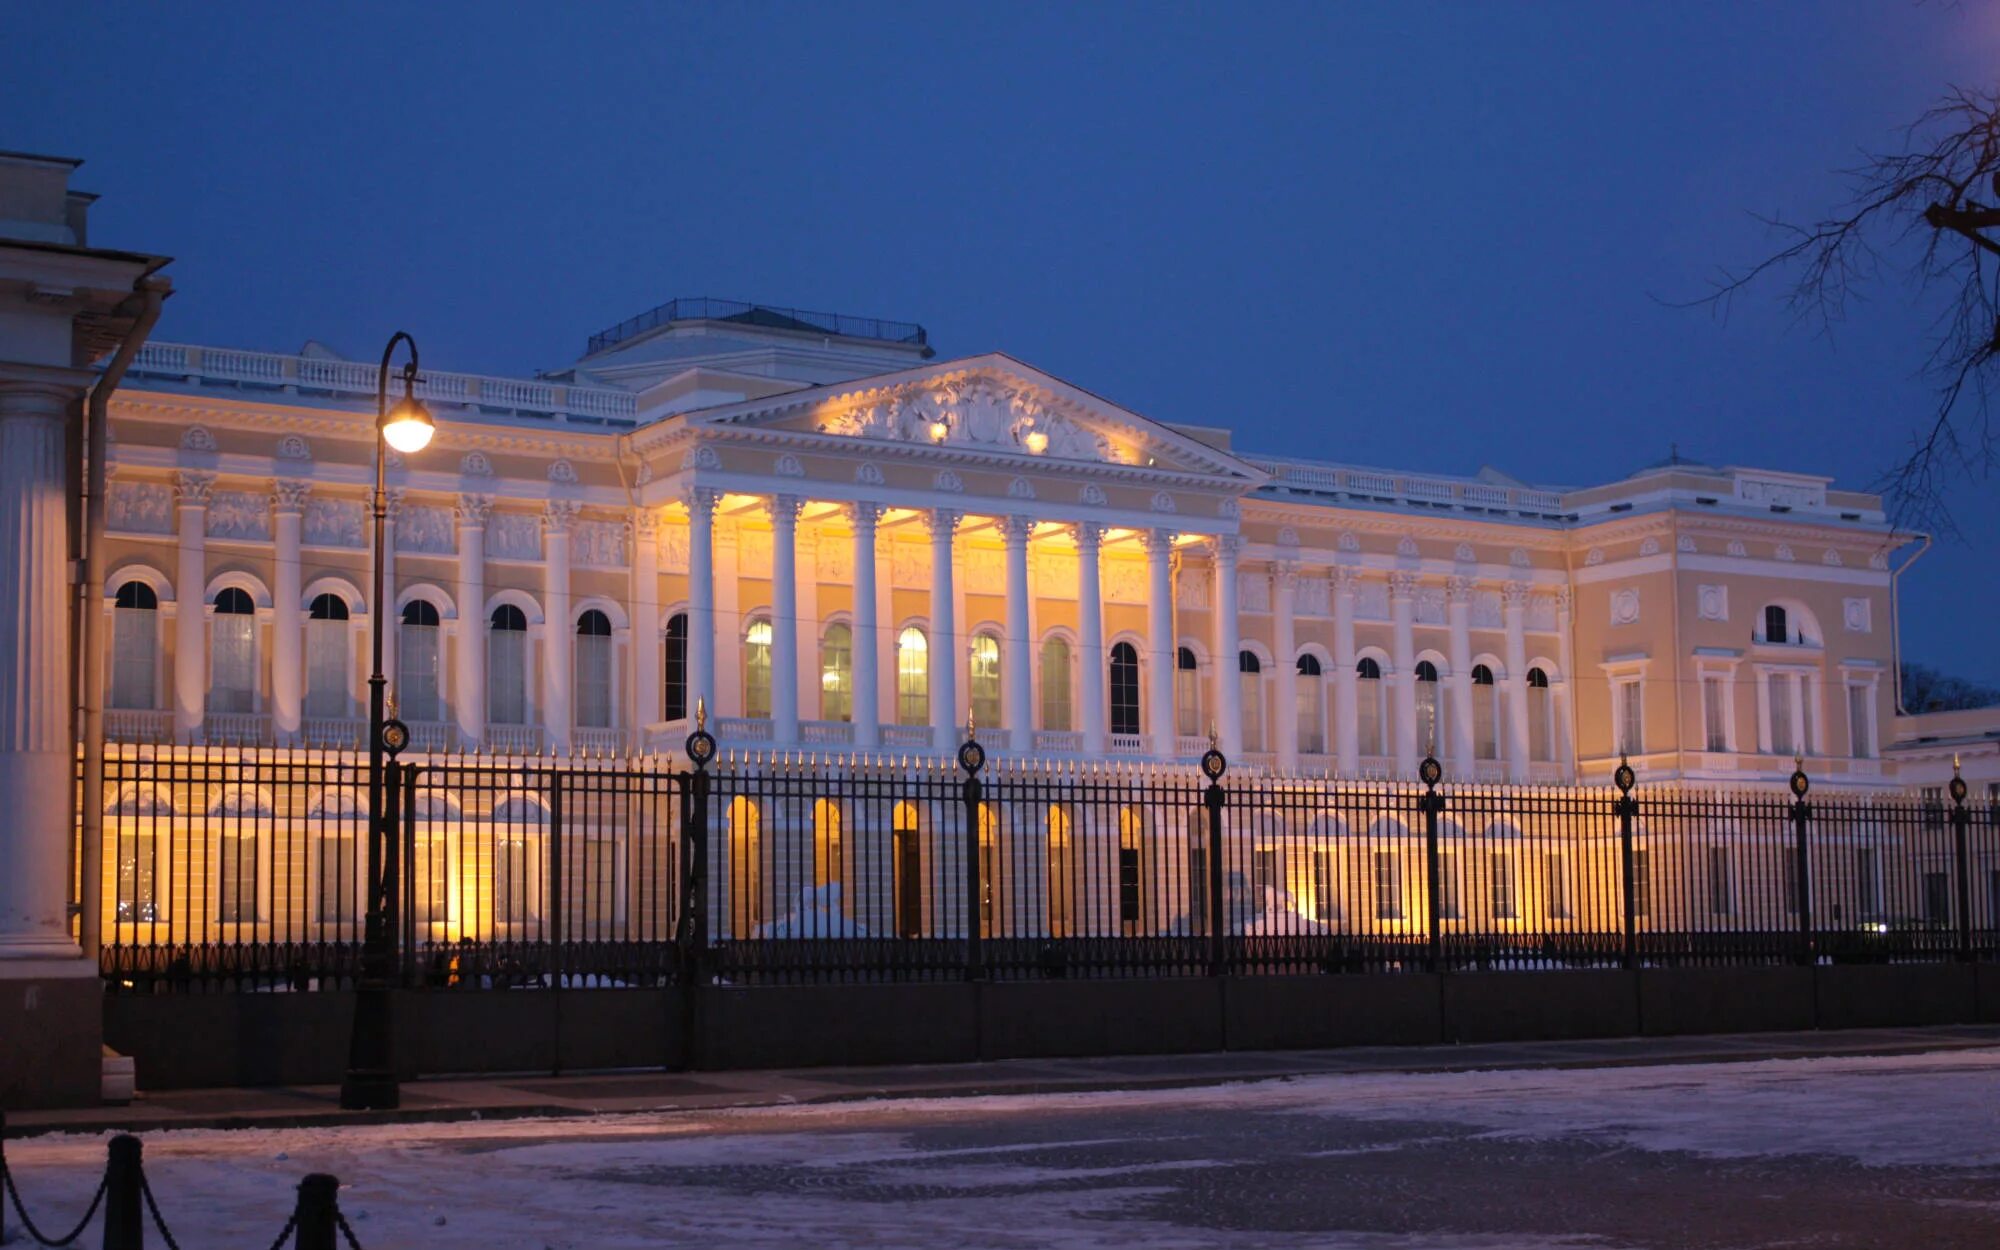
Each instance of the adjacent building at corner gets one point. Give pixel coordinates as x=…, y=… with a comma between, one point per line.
x=835, y=539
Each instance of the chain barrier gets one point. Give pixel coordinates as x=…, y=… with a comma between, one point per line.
x=315, y=1220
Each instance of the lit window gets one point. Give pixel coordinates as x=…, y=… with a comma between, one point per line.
x=836, y=674
x=593, y=671
x=1370, y=706
x=1187, y=693
x=674, y=668
x=1124, y=689
x=1485, y=714
x=1250, y=679
x=1430, y=711
x=1541, y=713
x=984, y=687
x=1056, y=703
x=913, y=677
x=757, y=669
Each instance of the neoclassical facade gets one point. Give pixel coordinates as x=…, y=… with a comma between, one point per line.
x=834, y=540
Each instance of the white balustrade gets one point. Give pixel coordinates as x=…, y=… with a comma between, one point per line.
x=345, y=732
x=598, y=741
x=236, y=728
x=729, y=730
x=514, y=739
x=138, y=725
x=1128, y=744
x=907, y=736
x=1058, y=740
x=826, y=732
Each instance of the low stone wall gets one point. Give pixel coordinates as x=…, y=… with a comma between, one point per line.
x=191, y=1040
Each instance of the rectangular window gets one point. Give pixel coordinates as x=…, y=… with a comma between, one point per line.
x=326, y=668
x=1937, y=898
x=233, y=664
x=1325, y=908
x=1860, y=727
x=512, y=903
x=1187, y=703
x=1430, y=720
x=1791, y=874
x=136, y=865
x=1721, y=888
x=1784, y=738
x=1628, y=713
x=1715, y=712
x=134, y=652
x=1558, y=873
x=1868, y=882
x=593, y=682
x=1485, y=734
x=1128, y=889
x=1312, y=725
x=1541, y=725
x=1265, y=876
x=1368, y=716
x=1198, y=877
x=1503, y=887
x=1388, y=886
x=339, y=880
x=1252, y=686
x=417, y=672
x=1642, y=883
x=1448, y=904
x=1933, y=801
x=236, y=893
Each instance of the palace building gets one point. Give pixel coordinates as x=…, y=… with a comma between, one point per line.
x=835, y=539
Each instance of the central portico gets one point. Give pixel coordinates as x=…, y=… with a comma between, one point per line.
x=868, y=544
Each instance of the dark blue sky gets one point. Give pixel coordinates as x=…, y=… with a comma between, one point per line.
x=1424, y=237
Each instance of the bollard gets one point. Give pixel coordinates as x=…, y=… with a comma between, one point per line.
x=124, y=1206
x=317, y=1216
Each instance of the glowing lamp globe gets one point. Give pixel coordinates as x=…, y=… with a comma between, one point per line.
x=408, y=427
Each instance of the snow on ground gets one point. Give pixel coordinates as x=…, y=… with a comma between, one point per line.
x=1352, y=1162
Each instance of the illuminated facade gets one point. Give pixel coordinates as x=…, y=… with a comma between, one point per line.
x=838, y=542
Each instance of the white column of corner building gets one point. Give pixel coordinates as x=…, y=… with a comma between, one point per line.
x=729, y=622
x=784, y=510
x=806, y=693
x=469, y=678
x=1514, y=598
x=191, y=492
x=559, y=633
x=1402, y=617
x=1228, y=646
x=945, y=654
x=1346, y=685
x=1090, y=627
x=1018, y=664
x=1162, y=645
x=644, y=593
x=1284, y=641
x=867, y=636
x=1458, y=615
x=37, y=749
x=392, y=623
x=288, y=503
x=701, y=502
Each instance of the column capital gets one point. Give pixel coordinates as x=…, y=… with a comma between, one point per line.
x=1458, y=589
x=1345, y=579
x=1564, y=599
x=1017, y=529
x=288, y=496
x=864, y=515
x=1228, y=546
x=557, y=515
x=944, y=522
x=474, y=511
x=784, y=509
x=1088, y=534
x=1285, y=574
x=1514, y=595
x=702, y=499
x=392, y=500
x=191, y=490
x=1402, y=585
x=1159, y=542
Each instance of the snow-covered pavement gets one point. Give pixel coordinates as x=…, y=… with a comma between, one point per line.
x=1874, y=1152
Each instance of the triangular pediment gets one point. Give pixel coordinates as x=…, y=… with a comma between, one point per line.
x=989, y=404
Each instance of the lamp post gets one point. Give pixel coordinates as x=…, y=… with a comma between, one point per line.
x=370, y=1081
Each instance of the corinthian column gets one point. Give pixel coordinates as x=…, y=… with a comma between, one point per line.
x=1090, y=625
x=1458, y=614
x=1514, y=597
x=191, y=491
x=867, y=631
x=785, y=618
x=1402, y=616
x=1161, y=643
x=1019, y=662
x=1284, y=640
x=559, y=635
x=288, y=504
x=647, y=702
x=37, y=750
x=1228, y=647
x=473, y=513
x=945, y=653
x=701, y=503
x=1346, y=702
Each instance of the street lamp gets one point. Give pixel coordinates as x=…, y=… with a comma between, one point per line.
x=370, y=1082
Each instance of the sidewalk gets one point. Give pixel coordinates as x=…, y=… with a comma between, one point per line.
x=648, y=1091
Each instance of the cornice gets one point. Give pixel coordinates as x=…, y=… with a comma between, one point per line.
x=356, y=426
x=1422, y=525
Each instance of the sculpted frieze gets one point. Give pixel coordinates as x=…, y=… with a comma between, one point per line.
x=515, y=536
x=1371, y=601
x=976, y=412
x=1192, y=590
x=426, y=530
x=141, y=507
x=332, y=523
x=239, y=514
x=1124, y=581
x=598, y=544
x=673, y=549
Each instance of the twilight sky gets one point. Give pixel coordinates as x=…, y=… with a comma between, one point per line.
x=1427, y=237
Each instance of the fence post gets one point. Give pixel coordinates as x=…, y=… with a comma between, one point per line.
x=1431, y=803
x=971, y=758
x=1961, y=836
x=1801, y=816
x=1627, y=809
x=694, y=880
x=315, y=1218
x=124, y=1208
x=556, y=892
x=1213, y=765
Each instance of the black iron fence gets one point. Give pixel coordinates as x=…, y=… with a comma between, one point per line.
x=245, y=869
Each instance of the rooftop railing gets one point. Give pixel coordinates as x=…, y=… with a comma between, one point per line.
x=764, y=315
x=1378, y=486
x=309, y=375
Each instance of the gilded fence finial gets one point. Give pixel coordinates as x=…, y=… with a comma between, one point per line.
x=700, y=715
x=971, y=727
x=1214, y=738
x=389, y=702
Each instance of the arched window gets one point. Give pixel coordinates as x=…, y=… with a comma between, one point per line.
x=1776, y=627
x=1250, y=682
x=1485, y=714
x=417, y=662
x=1312, y=706
x=329, y=644
x=913, y=677
x=135, y=646
x=1056, y=714
x=1187, y=693
x=1131, y=872
x=757, y=669
x=1062, y=871
x=1430, y=710
x=906, y=850
x=827, y=852
x=1124, y=689
x=507, y=666
x=746, y=864
x=232, y=655
x=1370, y=706
x=836, y=674
x=1541, y=728
x=984, y=686
x=674, y=669
x=594, y=703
